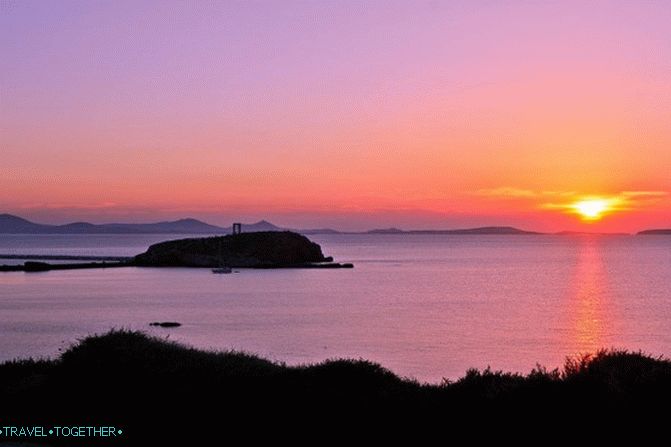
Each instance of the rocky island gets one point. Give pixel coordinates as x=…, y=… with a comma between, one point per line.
x=665, y=231
x=263, y=249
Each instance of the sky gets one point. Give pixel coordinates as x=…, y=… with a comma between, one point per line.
x=349, y=114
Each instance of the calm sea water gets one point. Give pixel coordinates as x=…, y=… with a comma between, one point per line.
x=424, y=306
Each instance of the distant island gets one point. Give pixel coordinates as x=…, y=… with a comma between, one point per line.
x=15, y=224
x=480, y=230
x=11, y=224
x=666, y=231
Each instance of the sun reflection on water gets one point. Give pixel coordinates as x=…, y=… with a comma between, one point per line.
x=589, y=306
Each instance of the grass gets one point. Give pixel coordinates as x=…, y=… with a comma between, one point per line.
x=146, y=384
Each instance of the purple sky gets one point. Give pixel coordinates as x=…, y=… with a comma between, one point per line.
x=341, y=114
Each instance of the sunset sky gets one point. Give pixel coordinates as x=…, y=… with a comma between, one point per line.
x=350, y=115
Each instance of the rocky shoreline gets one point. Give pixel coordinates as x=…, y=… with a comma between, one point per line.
x=263, y=249
x=257, y=250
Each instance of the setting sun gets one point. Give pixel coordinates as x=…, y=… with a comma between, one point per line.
x=592, y=209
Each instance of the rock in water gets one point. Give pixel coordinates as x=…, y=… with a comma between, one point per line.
x=259, y=249
x=165, y=324
x=33, y=266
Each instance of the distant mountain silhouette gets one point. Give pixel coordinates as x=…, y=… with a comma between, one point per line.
x=480, y=230
x=385, y=231
x=14, y=224
x=655, y=232
x=262, y=225
x=318, y=231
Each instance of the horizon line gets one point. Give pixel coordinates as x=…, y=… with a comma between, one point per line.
x=380, y=230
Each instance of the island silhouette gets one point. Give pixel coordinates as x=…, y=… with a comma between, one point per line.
x=257, y=250
x=11, y=224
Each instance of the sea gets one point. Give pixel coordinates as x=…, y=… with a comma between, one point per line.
x=427, y=307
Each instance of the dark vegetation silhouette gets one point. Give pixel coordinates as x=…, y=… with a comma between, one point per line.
x=163, y=393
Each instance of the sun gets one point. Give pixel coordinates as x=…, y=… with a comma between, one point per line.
x=591, y=209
